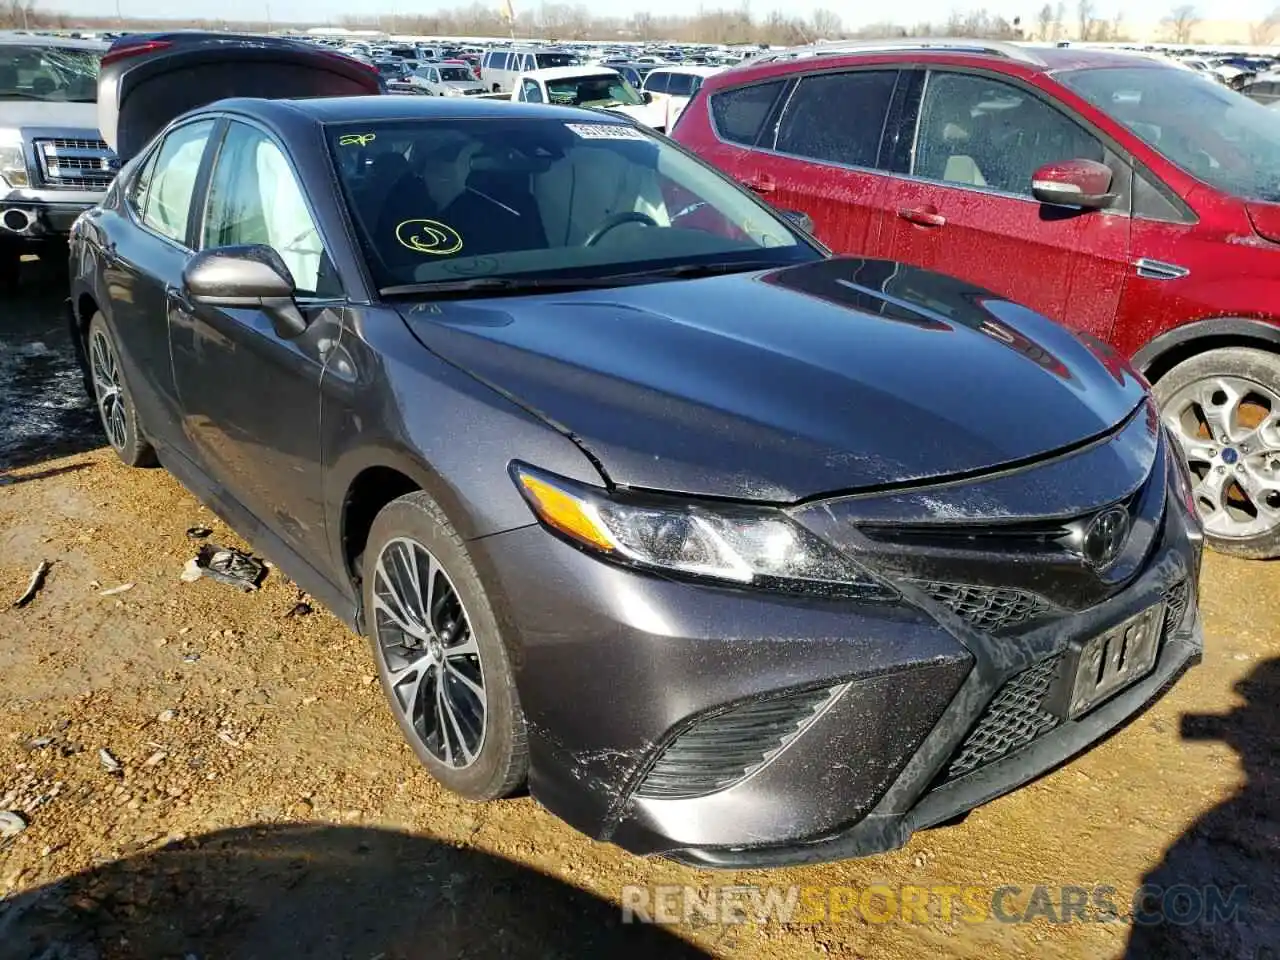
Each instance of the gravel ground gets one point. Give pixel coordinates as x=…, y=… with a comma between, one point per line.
x=203, y=774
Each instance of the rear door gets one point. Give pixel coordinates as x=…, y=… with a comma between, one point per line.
x=251, y=398
x=148, y=248
x=965, y=205
x=149, y=79
x=823, y=155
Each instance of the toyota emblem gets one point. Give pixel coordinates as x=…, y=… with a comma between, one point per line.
x=1105, y=537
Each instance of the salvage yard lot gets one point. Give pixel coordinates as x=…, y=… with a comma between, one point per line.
x=230, y=710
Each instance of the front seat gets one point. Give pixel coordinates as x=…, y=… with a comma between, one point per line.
x=588, y=185
x=949, y=157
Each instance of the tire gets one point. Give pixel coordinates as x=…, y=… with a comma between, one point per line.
x=1243, y=385
x=499, y=759
x=116, y=412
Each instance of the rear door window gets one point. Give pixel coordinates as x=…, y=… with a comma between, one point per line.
x=740, y=114
x=167, y=207
x=838, y=117
x=680, y=85
x=980, y=132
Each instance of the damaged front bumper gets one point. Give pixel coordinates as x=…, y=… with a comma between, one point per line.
x=728, y=728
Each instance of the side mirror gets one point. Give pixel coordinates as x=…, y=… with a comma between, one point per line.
x=798, y=218
x=648, y=97
x=1073, y=183
x=249, y=277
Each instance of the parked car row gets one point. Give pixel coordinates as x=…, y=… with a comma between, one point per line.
x=733, y=551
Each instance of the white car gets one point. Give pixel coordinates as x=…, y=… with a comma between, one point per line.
x=671, y=89
x=446, y=80
x=598, y=87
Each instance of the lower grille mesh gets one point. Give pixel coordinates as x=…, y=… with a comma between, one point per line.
x=1013, y=719
x=1176, y=598
x=721, y=750
x=987, y=608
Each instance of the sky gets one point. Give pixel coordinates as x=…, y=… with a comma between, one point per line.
x=318, y=12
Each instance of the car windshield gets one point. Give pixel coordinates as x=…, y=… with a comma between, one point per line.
x=597, y=91
x=390, y=68
x=455, y=199
x=49, y=73
x=1213, y=133
x=547, y=60
x=456, y=74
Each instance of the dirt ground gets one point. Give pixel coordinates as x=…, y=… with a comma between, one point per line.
x=265, y=806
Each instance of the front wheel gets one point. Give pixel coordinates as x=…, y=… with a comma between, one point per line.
x=440, y=655
x=1224, y=407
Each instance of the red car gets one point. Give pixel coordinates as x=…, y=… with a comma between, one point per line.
x=1124, y=196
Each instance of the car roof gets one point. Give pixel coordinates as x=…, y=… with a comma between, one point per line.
x=67, y=43
x=1026, y=56
x=559, y=73
x=327, y=110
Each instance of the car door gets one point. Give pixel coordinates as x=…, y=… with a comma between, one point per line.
x=150, y=246
x=251, y=397
x=823, y=156
x=966, y=206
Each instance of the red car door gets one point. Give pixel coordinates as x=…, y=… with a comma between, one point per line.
x=967, y=210
x=823, y=158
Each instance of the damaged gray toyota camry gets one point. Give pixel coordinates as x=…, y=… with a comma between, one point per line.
x=732, y=551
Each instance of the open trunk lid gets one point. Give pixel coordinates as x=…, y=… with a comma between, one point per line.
x=149, y=79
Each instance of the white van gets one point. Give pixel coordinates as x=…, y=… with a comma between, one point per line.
x=499, y=69
x=672, y=88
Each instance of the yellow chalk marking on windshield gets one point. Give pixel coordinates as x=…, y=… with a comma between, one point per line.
x=356, y=139
x=429, y=236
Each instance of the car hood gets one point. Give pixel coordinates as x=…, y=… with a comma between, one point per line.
x=780, y=385
x=49, y=114
x=462, y=85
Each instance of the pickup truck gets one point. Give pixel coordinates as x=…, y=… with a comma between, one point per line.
x=598, y=87
x=54, y=164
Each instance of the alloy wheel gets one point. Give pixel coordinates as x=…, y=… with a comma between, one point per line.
x=430, y=655
x=107, y=389
x=1229, y=430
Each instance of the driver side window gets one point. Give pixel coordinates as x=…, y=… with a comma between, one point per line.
x=532, y=92
x=255, y=198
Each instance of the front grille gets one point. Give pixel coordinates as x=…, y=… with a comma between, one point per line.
x=987, y=608
x=74, y=164
x=1176, y=599
x=1013, y=719
x=717, y=752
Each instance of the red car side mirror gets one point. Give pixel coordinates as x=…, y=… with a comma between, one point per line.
x=1073, y=183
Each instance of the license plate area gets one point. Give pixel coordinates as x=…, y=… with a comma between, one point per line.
x=1107, y=663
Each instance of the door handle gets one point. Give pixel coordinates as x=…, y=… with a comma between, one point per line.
x=760, y=183
x=926, y=216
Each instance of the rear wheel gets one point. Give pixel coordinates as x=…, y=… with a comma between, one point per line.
x=112, y=397
x=1224, y=407
x=442, y=661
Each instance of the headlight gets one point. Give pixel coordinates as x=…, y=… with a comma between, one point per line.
x=749, y=546
x=1182, y=480
x=13, y=160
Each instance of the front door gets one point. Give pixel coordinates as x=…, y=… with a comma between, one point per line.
x=967, y=208
x=250, y=397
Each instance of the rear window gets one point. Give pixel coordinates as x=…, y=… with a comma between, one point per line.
x=57, y=74
x=740, y=114
x=681, y=84
x=656, y=82
x=547, y=60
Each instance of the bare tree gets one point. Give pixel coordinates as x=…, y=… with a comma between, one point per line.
x=1180, y=22
x=826, y=24
x=1059, y=19
x=1084, y=19
x=1044, y=22
x=1263, y=32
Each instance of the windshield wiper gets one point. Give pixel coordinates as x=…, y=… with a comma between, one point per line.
x=496, y=285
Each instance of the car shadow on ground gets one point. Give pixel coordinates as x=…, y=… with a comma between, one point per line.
x=1214, y=893
x=313, y=890
x=45, y=411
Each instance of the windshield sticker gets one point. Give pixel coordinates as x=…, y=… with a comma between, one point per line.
x=356, y=139
x=429, y=237
x=605, y=131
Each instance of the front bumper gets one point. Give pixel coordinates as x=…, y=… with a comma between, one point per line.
x=614, y=666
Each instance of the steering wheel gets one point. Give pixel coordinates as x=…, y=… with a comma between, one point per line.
x=617, y=220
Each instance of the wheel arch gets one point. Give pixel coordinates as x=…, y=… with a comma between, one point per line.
x=1160, y=355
